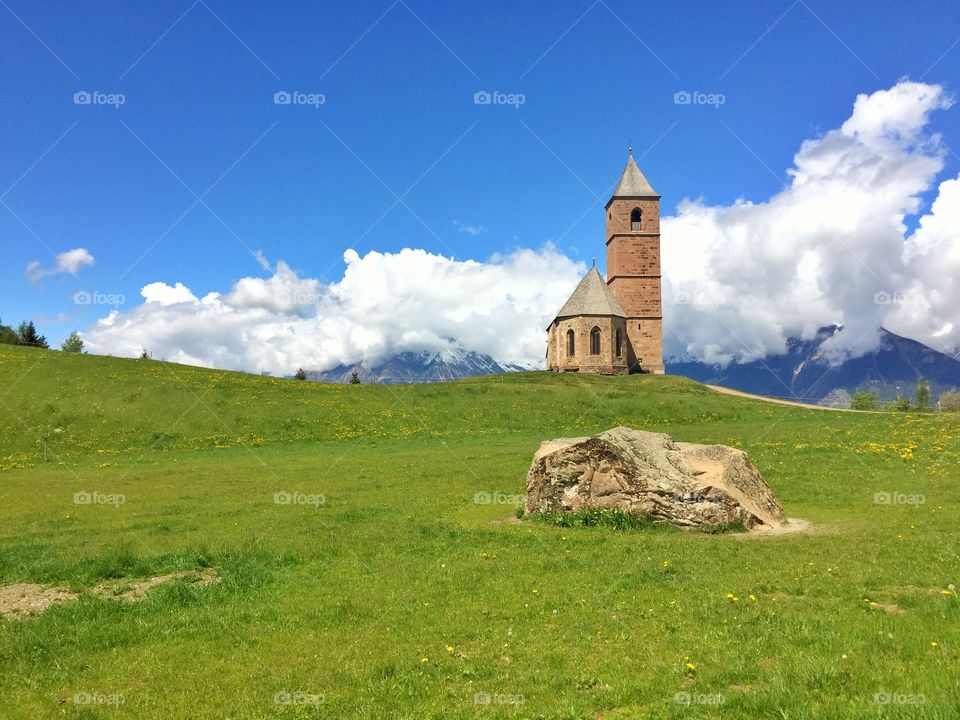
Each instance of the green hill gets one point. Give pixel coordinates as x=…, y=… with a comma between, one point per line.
x=403, y=585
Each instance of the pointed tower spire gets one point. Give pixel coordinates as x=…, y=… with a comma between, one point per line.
x=633, y=183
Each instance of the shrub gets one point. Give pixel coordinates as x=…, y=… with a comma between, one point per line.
x=901, y=403
x=949, y=401
x=72, y=344
x=864, y=401
x=8, y=336
x=300, y=374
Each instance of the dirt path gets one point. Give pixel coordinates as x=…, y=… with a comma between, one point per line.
x=776, y=401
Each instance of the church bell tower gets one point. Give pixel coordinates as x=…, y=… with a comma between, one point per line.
x=633, y=265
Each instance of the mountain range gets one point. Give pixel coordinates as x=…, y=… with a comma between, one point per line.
x=802, y=373
x=419, y=367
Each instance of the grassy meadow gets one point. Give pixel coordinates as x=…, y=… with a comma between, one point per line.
x=392, y=579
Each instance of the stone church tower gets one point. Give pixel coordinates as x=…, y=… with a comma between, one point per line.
x=633, y=264
x=616, y=327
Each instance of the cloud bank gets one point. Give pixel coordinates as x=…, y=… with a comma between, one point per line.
x=386, y=303
x=739, y=280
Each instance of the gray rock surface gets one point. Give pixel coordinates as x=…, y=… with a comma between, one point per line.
x=645, y=472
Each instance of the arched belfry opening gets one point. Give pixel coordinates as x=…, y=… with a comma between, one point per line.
x=636, y=220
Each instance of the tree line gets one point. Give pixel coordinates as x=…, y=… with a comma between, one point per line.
x=26, y=334
x=922, y=400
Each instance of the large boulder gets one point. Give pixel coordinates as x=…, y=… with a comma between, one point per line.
x=645, y=472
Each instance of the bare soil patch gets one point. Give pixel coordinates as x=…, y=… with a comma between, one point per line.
x=133, y=590
x=22, y=600
x=791, y=527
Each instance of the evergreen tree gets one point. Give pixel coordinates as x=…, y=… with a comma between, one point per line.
x=27, y=335
x=300, y=374
x=73, y=344
x=923, y=395
x=354, y=378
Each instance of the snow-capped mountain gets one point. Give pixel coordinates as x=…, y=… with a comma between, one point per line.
x=803, y=373
x=420, y=367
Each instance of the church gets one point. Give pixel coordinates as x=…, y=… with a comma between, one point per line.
x=615, y=326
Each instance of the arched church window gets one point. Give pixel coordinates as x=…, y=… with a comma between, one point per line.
x=595, y=341
x=619, y=343
x=635, y=217
x=571, y=343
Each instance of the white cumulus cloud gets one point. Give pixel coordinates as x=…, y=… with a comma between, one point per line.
x=741, y=279
x=70, y=261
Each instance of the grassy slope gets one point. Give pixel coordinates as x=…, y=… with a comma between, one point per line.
x=359, y=599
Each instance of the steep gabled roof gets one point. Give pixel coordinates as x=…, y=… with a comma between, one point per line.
x=592, y=297
x=633, y=183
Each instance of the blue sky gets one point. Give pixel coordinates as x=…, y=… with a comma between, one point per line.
x=399, y=120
